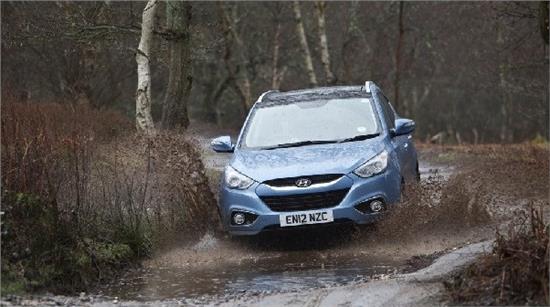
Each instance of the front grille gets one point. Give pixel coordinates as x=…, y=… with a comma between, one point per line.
x=310, y=201
x=287, y=182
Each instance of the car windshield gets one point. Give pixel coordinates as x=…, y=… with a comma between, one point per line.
x=312, y=122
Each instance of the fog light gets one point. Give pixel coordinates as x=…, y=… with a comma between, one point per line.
x=376, y=206
x=371, y=206
x=238, y=218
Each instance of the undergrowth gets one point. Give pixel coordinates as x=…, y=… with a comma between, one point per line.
x=516, y=273
x=83, y=197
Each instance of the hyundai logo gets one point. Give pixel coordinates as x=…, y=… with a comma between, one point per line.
x=303, y=182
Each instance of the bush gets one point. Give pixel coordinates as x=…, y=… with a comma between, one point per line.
x=84, y=197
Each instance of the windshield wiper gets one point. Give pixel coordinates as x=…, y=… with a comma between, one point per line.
x=360, y=137
x=298, y=144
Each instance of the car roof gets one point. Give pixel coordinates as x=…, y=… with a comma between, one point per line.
x=272, y=98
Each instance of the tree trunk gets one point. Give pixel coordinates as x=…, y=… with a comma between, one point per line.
x=144, y=120
x=303, y=42
x=325, y=56
x=398, y=59
x=276, y=74
x=180, y=79
x=238, y=73
x=543, y=20
x=350, y=44
x=505, y=132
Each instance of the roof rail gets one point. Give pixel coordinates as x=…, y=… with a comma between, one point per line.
x=367, y=86
x=265, y=93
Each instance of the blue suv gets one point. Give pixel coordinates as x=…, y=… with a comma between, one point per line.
x=316, y=156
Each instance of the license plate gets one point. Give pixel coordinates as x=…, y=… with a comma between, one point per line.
x=306, y=218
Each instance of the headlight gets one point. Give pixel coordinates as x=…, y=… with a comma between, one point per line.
x=374, y=166
x=236, y=180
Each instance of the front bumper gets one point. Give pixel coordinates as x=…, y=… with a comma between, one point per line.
x=385, y=186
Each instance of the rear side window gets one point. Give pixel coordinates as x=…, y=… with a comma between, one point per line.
x=389, y=114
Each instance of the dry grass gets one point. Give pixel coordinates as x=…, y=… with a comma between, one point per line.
x=83, y=196
x=168, y=178
x=516, y=273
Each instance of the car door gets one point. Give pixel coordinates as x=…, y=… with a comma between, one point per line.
x=408, y=153
x=400, y=143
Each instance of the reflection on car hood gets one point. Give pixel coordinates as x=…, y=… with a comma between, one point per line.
x=342, y=158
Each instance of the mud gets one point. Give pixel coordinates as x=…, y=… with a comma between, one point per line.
x=223, y=269
x=252, y=275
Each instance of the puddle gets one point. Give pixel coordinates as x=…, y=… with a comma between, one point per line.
x=298, y=272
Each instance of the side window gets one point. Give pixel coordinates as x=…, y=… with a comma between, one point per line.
x=387, y=110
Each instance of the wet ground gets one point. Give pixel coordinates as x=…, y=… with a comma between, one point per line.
x=222, y=269
x=253, y=277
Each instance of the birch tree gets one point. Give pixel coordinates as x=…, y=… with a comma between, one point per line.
x=144, y=120
x=320, y=7
x=180, y=79
x=304, y=44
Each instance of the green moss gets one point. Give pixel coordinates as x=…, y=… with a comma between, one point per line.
x=113, y=253
x=42, y=249
x=12, y=283
x=12, y=287
x=137, y=238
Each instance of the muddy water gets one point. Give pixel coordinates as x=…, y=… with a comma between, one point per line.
x=204, y=283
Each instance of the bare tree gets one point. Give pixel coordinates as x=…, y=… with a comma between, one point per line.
x=78, y=52
x=303, y=42
x=398, y=57
x=351, y=42
x=144, y=120
x=503, y=72
x=180, y=80
x=325, y=56
x=238, y=74
x=543, y=20
x=277, y=73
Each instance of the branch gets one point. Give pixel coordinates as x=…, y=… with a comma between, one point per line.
x=103, y=29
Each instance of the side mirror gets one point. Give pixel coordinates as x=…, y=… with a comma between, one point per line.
x=403, y=126
x=222, y=144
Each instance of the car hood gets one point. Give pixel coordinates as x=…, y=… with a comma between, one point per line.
x=342, y=158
